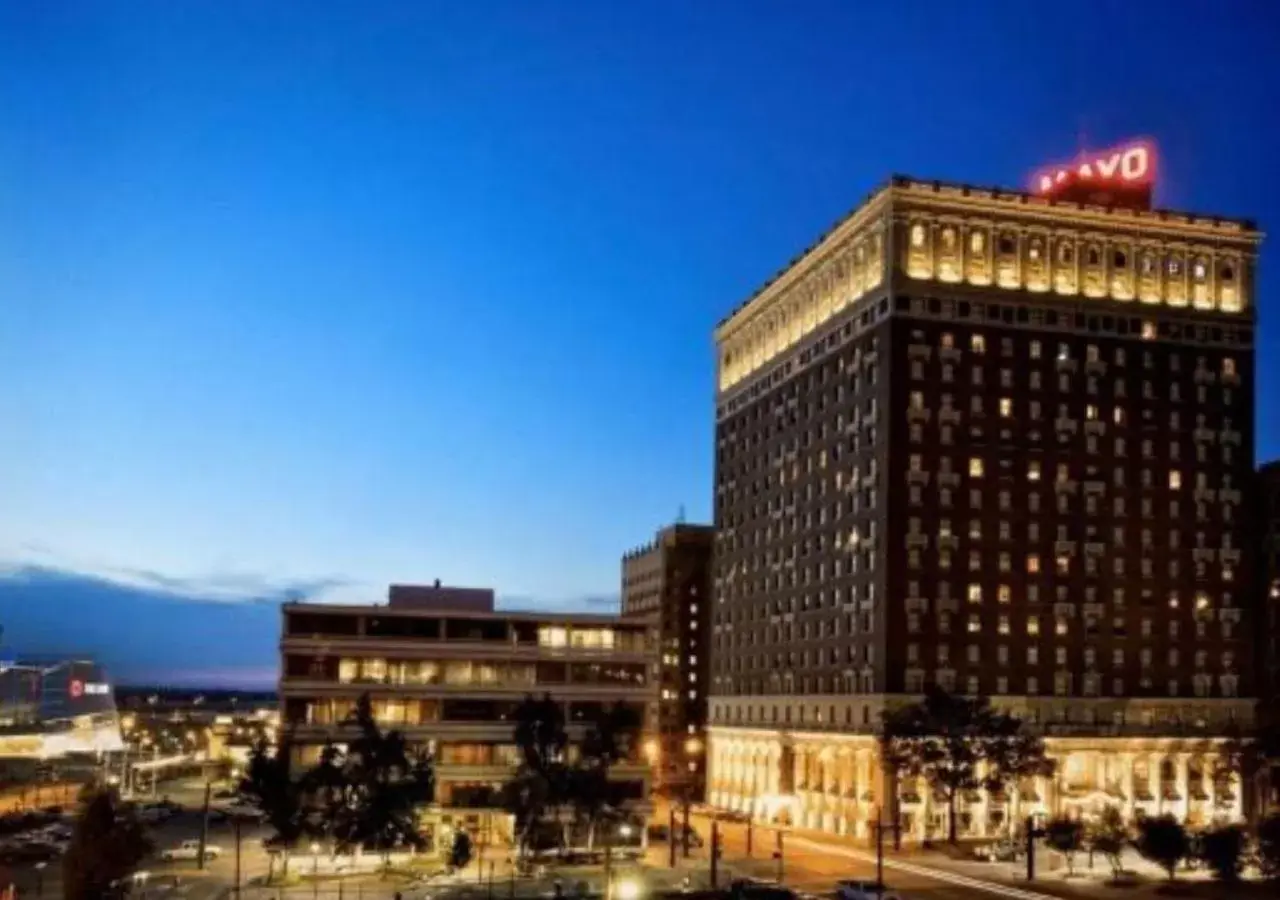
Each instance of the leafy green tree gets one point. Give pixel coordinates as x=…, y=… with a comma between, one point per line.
x=946, y=739
x=107, y=844
x=525, y=796
x=1067, y=837
x=269, y=785
x=1222, y=850
x=460, y=852
x=1268, y=846
x=541, y=785
x=382, y=788
x=611, y=738
x=1108, y=837
x=1163, y=841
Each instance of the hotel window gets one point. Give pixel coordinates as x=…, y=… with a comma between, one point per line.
x=1035, y=349
x=978, y=343
x=1033, y=625
x=1060, y=626
x=975, y=465
x=1033, y=685
x=1006, y=407
x=975, y=624
x=1033, y=563
x=977, y=241
x=1033, y=655
x=947, y=340
x=1004, y=594
x=975, y=593
x=917, y=235
x=1004, y=625
x=917, y=400
x=1175, y=479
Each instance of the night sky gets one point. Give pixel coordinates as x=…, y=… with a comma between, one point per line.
x=300, y=298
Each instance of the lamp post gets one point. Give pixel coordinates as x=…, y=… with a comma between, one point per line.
x=315, y=871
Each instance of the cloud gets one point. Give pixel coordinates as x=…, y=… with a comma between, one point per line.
x=147, y=628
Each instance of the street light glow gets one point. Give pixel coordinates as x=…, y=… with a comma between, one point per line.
x=627, y=889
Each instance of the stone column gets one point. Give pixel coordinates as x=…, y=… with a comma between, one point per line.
x=1182, y=786
x=1127, y=785
x=1154, y=782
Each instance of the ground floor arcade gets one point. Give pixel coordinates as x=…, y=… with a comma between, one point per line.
x=835, y=782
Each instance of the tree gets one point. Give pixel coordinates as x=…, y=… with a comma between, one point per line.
x=525, y=796
x=107, y=844
x=1222, y=850
x=1108, y=836
x=269, y=785
x=460, y=852
x=540, y=785
x=382, y=786
x=1268, y=846
x=1163, y=841
x=612, y=737
x=1067, y=837
x=959, y=744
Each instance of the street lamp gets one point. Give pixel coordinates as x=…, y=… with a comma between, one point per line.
x=315, y=870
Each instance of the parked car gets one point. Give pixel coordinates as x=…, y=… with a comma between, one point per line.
x=756, y=889
x=191, y=850
x=864, y=890
x=998, y=851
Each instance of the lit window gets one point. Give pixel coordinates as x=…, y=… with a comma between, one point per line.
x=977, y=241
x=975, y=467
x=1035, y=349
x=975, y=624
x=1117, y=415
x=1229, y=367
x=1091, y=412
x=1175, y=479
x=978, y=344
x=1033, y=625
x=948, y=340
x=975, y=593
x=1006, y=407
x=917, y=235
x=1148, y=331
x=1033, y=470
x=1004, y=625
x=1202, y=601
x=1060, y=627
x=917, y=400
x=1033, y=563
x=1004, y=594
x=914, y=462
x=1064, y=353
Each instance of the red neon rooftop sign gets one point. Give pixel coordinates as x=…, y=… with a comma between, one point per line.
x=1121, y=176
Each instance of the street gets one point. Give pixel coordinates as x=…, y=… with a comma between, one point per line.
x=813, y=865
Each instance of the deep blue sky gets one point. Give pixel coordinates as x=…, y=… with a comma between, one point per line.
x=315, y=292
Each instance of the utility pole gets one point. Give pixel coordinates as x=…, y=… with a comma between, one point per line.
x=671, y=837
x=778, y=856
x=715, y=851
x=879, y=847
x=684, y=836
x=204, y=825
x=237, y=824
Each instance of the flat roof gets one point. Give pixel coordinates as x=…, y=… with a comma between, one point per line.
x=521, y=615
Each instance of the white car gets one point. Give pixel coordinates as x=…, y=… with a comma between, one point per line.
x=865, y=890
x=191, y=850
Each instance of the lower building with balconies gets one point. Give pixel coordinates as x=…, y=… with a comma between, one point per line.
x=450, y=675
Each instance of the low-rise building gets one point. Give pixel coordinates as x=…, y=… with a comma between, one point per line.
x=450, y=675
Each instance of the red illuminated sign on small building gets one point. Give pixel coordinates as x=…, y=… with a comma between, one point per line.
x=1121, y=176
